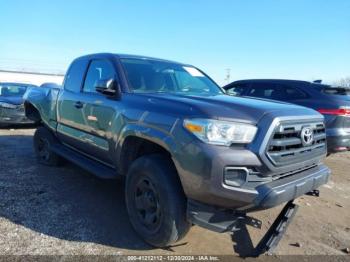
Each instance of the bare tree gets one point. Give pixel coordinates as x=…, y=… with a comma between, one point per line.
x=345, y=82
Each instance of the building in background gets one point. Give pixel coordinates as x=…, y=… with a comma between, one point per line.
x=34, y=78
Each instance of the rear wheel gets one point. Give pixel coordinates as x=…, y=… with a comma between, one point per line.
x=43, y=142
x=155, y=201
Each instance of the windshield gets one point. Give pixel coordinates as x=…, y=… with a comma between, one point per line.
x=9, y=90
x=153, y=76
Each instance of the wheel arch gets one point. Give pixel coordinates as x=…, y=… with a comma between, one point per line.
x=136, y=141
x=32, y=112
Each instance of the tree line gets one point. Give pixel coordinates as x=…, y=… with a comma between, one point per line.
x=344, y=82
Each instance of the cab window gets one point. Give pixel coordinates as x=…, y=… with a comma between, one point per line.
x=75, y=76
x=98, y=70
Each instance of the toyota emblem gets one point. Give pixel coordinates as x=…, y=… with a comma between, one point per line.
x=307, y=136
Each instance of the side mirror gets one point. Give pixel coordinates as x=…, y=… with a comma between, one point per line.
x=108, y=87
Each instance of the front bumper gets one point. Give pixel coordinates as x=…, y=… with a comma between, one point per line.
x=291, y=187
x=13, y=116
x=202, y=169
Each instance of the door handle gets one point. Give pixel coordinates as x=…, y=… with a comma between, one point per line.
x=78, y=105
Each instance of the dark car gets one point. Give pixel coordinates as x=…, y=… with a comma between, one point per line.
x=50, y=85
x=332, y=102
x=11, y=103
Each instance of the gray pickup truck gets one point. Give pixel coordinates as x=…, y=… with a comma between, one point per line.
x=190, y=154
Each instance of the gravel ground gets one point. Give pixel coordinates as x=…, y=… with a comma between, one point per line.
x=65, y=210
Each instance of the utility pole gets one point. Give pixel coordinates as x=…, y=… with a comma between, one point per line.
x=228, y=76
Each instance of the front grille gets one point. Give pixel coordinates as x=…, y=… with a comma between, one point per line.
x=287, y=146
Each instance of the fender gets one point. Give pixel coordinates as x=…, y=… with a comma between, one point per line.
x=157, y=136
x=44, y=101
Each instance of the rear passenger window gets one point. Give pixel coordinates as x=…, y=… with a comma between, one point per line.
x=267, y=91
x=293, y=93
x=98, y=70
x=75, y=75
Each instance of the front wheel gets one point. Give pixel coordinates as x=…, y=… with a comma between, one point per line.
x=43, y=142
x=155, y=201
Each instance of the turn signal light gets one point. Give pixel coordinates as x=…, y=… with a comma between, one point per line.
x=194, y=128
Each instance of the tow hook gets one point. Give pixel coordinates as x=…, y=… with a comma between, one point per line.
x=315, y=193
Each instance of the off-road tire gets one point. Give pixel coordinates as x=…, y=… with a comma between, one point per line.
x=171, y=225
x=43, y=142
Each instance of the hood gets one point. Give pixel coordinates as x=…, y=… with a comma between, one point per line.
x=224, y=107
x=15, y=100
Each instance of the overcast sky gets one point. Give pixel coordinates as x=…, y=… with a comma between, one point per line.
x=294, y=39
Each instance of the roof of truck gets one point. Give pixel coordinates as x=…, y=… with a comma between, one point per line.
x=128, y=56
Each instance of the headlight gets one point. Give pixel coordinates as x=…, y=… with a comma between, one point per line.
x=7, y=105
x=221, y=132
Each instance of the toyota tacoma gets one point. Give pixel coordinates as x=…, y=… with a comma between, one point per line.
x=190, y=154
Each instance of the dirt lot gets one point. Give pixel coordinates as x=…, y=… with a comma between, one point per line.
x=65, y=210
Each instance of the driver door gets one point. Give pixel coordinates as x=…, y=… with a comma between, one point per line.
x=99, y=111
